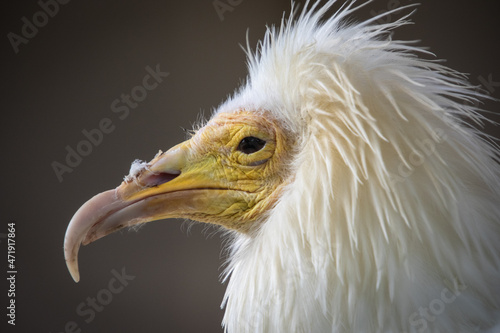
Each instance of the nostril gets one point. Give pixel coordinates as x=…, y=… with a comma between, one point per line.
x=155, y=179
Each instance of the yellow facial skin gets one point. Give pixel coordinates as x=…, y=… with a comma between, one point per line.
x=252, y=180
x=229, y=173
x=239, y=186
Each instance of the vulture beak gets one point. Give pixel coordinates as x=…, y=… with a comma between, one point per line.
x=166, y=187
x=230, y=173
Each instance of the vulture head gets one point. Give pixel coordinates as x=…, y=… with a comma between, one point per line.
x=356, y=193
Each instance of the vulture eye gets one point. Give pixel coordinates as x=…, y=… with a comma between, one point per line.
x=250, y=145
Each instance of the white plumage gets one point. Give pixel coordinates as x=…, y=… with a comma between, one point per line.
x=391, y=221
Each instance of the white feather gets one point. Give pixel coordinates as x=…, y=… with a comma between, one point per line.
x=393, y=207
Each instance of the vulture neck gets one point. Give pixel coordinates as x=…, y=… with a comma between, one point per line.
x=390, y=223
x=383, y=229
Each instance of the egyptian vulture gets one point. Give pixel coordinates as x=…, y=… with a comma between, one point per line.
x=356, y=194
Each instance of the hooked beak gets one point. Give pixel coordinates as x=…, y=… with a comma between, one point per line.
x=166, y=187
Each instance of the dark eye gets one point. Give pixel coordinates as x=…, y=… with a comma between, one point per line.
x=251, y=144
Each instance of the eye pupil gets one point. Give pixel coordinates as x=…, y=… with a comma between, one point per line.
x=251, y=144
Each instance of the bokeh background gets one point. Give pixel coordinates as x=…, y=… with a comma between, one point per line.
x=63, y=81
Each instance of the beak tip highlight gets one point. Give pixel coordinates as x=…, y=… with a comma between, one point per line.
x=73, y=270
x=71, y=257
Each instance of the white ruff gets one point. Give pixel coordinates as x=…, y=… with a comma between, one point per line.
x=391, y=222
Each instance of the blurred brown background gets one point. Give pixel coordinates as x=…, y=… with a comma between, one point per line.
x=63, y=81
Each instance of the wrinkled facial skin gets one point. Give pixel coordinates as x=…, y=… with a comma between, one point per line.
x=225, y=151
